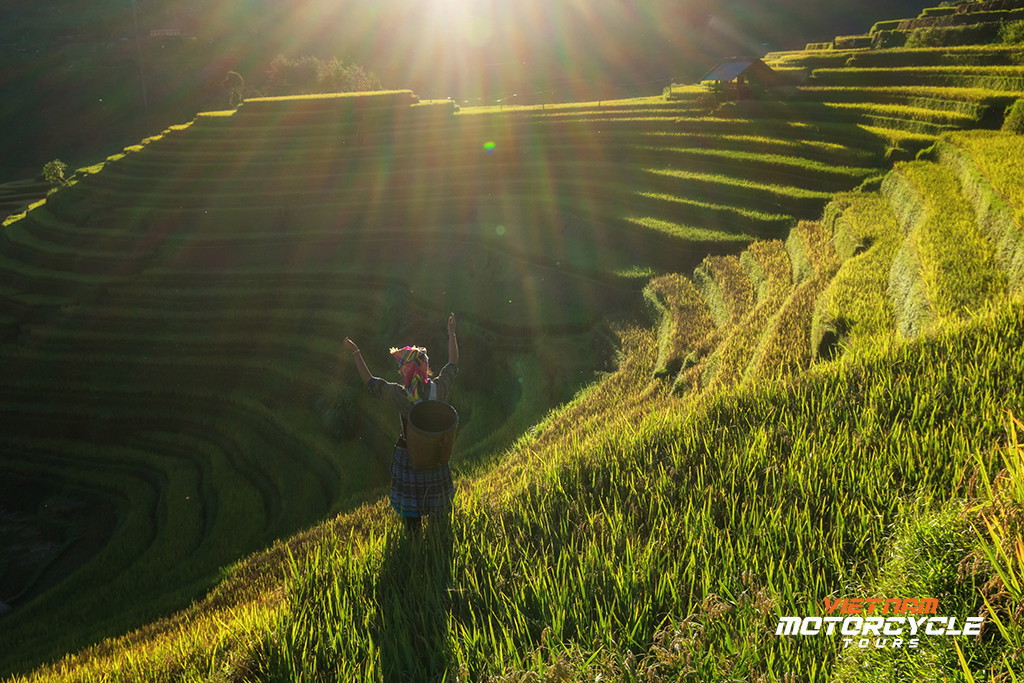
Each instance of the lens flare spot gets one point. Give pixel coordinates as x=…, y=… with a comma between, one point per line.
x=489, y=147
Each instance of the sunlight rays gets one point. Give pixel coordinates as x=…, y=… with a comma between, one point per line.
x=536, y=49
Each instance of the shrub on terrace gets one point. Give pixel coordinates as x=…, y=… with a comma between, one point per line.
x=888, y=39
x=851, y=42
x=1014, y=121
x=1012, y=33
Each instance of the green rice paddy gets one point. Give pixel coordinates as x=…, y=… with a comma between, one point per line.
x=707, y=382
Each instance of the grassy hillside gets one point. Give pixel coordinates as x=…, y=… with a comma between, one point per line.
x=722, y=363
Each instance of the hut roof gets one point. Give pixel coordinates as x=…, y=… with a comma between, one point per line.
x=732, y=69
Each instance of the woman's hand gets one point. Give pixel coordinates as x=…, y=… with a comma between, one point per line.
x=349, y=345
x=451, y=323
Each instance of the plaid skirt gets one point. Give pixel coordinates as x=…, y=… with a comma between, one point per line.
x=415, y=493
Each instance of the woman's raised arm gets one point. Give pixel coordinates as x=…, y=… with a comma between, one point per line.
x=364, y=372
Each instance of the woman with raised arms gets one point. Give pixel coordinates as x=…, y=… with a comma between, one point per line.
x=415, y=493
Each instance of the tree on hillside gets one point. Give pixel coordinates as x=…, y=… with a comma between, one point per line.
x=234, y=88
x=55, y=172
x=336, y=76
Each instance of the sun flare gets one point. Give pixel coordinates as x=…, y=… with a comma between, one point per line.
x=464, y=21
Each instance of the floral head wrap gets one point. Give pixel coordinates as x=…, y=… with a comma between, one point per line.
x=414, y=376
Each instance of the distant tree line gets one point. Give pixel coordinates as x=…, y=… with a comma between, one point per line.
x=307, y=75
x=304, y=75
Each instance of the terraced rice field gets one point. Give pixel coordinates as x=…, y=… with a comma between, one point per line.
x=171, y=321
x=915, y=255
x=16, y=196
x=631, y=488
x=911, y=95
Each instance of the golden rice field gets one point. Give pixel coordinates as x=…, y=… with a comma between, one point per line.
x=719, y=365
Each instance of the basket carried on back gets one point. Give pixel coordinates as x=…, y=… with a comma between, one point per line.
x=430, y=433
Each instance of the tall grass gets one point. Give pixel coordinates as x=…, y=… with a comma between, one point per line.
x=855, y=311
x=946, y=266
x=996, y=157
x=726, y=287
x=728, y=364
x=719, y=528
x=968, y=553
x=992, y=196
x=685, y=319
x=1003, y=78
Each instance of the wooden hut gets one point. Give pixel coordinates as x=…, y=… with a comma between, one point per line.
x=737, y=76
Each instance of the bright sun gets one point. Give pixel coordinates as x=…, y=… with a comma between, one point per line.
x=469, y=21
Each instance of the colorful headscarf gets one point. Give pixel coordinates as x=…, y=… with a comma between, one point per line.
x=414, y=377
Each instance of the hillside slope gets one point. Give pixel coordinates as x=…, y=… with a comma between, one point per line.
x=173, y=317
x=177, y=313
x=723, y=513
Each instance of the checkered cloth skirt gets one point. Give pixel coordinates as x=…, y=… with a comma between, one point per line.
x=415, y=493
